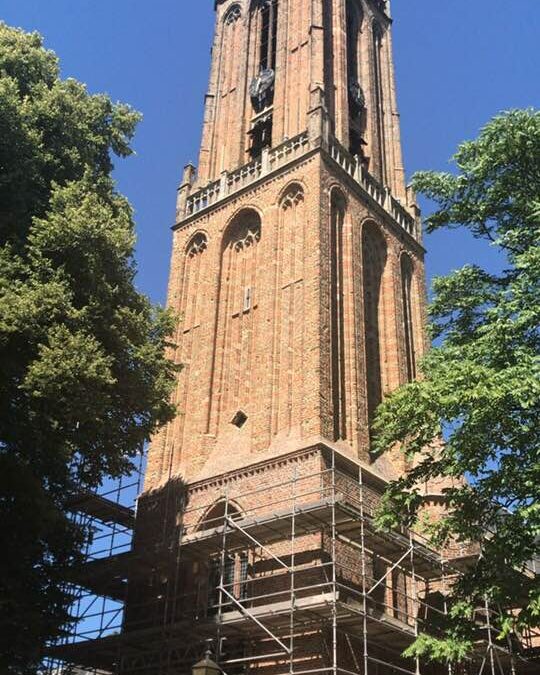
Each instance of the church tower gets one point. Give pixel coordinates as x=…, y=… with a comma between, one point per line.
x=297, y=275
x=297, y=265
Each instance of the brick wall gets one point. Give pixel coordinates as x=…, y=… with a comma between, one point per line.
x=273, y=360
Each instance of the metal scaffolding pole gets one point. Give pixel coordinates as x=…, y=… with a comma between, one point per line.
x=445, y=602
x=364, y=576
x=415, y=598
x=222, y=563
x=334, y=577
x=490, y=637
x=292, y=580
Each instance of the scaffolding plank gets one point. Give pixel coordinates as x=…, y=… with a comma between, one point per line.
x=391, y=545
x=276, y=526
x=103, y=509
x=102, y=653
x=104, y=576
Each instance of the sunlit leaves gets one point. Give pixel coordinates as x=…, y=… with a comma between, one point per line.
x=480, y=387
x=82, y=368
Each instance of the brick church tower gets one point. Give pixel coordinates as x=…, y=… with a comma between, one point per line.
x=297, y=273
x=297, y=265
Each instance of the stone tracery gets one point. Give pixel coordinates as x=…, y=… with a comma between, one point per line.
x=232, y=15
x=197, y=245
x=248, y=236
x=293, y=197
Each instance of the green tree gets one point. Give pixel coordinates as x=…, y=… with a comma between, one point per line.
x=480, y=386
x=83, y=377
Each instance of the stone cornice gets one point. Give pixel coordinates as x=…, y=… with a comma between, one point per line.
x=274, y=161
x=322, y=448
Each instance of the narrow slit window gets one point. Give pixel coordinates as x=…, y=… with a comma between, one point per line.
x=337, y=322
x=247, y=299
x=379, y=99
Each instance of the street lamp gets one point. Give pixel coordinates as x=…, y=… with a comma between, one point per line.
x=206, y=666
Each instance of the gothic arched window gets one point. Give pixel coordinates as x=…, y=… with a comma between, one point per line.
x=374, y=254
x=408, y=315
x=337, y=322
x=231, y=571
x=379, y=98
x=263, y=31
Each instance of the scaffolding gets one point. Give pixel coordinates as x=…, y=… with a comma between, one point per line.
x=288, y=578
x=98, y=587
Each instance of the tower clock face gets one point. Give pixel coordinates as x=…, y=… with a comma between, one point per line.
x=261, y=88
x=356, y=97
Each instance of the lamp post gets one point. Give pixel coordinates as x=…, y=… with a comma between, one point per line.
x=206, y=666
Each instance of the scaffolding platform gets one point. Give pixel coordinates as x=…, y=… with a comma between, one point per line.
x=105, y=576
x=102, y=653
x=301, y=558
x=312, y=517
x=101, y=508
x=268, y=528
x=310, y=612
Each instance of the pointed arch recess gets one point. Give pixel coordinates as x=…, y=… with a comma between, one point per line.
x=214, y=516
x=191, y=305
x=377, y=36
x=236, y=317
x=409, y=299
x=227, y=86
x=374, y=258
x=287, y=388
x=337, y=314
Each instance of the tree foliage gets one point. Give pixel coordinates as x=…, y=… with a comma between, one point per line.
x=480, y=386
x=83, y=377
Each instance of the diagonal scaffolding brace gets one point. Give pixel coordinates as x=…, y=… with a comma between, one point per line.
x=253, y=618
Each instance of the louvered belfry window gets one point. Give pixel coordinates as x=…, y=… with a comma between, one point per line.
x=268, y=46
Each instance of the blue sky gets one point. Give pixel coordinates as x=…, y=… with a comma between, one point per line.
x=458, y=62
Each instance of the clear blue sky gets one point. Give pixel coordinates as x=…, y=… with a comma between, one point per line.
x=458, y=62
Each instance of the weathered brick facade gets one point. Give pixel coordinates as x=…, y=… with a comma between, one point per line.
x=297, y=274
